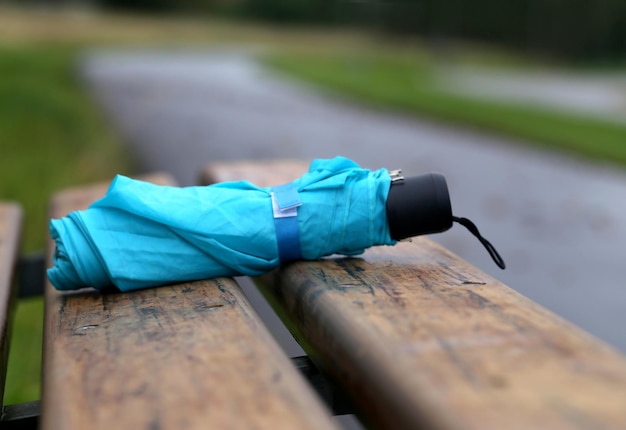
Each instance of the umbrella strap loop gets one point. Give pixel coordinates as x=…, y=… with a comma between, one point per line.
x=488, y=246
x=285, y=203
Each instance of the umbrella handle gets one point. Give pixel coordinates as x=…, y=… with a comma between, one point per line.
x=418, y=205
x=421, y=205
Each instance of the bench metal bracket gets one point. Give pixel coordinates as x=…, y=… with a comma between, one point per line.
x=329, y=392
x=31, y=275
x=23, y=416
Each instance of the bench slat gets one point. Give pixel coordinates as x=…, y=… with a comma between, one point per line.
x=193, y=355
x=418, y=338
x=10, y=230
x=262, y=173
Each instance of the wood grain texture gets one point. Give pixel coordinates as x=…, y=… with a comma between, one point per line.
x=262, y=173
x=187, y=356
x=10, y=233
x=421, y=339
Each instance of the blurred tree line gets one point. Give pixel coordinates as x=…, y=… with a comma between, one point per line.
x=570, y=29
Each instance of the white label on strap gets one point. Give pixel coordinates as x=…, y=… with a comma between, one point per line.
x=286, y=213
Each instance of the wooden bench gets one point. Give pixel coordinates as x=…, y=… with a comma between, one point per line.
x=193, y=355
x=420, y=339
x=415, y=336
x=10, y=232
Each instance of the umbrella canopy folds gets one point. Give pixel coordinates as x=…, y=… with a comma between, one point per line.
x=141, y=235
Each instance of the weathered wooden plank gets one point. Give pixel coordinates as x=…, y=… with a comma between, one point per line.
x=188, y=356
x=419, y=338
x=10, y=233
x=262, y=173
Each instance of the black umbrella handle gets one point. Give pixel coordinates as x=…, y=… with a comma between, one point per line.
x=421, y=205
x=418, y=205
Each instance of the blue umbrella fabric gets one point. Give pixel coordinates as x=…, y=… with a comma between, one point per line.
x=141, y=235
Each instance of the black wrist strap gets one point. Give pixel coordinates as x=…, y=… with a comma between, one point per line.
x=488, y=246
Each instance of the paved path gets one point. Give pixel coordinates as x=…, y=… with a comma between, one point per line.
x=559, y=222
x=599, y=94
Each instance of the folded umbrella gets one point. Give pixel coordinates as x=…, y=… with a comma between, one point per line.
x=141, y=235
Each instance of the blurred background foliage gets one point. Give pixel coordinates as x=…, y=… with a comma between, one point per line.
x=580, y=30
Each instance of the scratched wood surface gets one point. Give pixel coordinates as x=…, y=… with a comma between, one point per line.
x=421, y=339
x=262, y=173
x=188, y=356
x=10, y=232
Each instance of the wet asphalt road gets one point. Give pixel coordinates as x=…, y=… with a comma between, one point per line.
x=558, y=222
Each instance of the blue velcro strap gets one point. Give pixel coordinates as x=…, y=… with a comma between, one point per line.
x=285, y=201
x=288, y=237
x=286, y=196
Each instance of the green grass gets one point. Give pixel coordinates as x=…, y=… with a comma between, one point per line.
x=51, y=136
x=408, y=83
x=24, y=371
